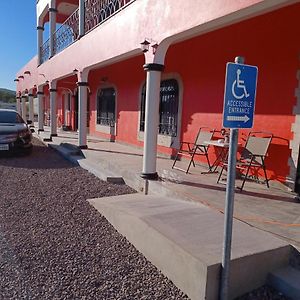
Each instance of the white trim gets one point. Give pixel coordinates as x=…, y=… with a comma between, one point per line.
x=165, y=140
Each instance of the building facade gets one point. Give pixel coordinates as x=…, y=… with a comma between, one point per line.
x=149, y=73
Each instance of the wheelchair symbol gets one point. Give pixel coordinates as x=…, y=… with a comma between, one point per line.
x=239, y=86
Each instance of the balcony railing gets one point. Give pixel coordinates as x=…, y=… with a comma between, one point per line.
x=96, y=12
x=67, y=33
x=45, y=51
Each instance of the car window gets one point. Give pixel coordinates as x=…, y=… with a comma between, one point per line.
x=10, y=117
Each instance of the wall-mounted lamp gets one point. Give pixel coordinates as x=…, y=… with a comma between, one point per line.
x=27, y=73
x=47, y=81
x=145, y=46
x=75, y=71
x=21, y=77
x=16, y=80
x=154, y=48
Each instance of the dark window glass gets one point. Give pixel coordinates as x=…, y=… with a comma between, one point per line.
x=168, y=108
x=10, y=117
x=106, y=107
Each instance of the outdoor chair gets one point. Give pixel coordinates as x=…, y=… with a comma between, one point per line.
x=252, y=157
x=198, y=147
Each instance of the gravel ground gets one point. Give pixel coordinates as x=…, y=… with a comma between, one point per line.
x=54, y=245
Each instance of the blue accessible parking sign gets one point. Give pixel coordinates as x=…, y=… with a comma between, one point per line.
x=239, y=97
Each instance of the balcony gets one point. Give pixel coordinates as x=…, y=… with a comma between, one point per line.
x=96, y=13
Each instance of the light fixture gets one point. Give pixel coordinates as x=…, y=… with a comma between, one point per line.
x=75, y=70
x=27, y=72
x=145, y=46
x=47, y=81
x=154, y=48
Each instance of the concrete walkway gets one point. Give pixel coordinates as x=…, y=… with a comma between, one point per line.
x=184, y=240
x=274, y=210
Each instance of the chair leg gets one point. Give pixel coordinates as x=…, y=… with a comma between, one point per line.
x=243, y=183
x=191, y=161
x=206, y=155
x=221, y=173
x=175, y=160
x=265, y=172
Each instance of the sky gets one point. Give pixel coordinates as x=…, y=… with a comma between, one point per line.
x=17, y=38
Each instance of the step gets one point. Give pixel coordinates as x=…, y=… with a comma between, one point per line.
x=184, y=240
x=287, y=281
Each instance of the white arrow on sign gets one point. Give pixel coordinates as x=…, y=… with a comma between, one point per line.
x=238, y=118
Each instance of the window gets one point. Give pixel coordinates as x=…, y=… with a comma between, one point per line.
x=106, y=107
x=168, y=108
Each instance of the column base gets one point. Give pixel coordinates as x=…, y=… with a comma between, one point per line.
x=150, y=176
x=53, y=134
x=83, y=147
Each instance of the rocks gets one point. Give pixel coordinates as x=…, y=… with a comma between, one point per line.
x=264, y=293
x=54, y=245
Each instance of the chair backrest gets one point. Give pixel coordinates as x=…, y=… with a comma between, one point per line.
x=257, y=143
x=204, y=134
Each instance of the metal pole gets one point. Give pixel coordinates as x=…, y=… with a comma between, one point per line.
x=229, y=205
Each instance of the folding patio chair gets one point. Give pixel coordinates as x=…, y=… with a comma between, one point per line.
x=199, y=147
x=253, y=156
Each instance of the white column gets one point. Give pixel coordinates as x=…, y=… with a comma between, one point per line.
x=40, y=96
x=151, y=119
x=18, y=105
x=82, y=115
x=81, y=17
x=40, y=30
x=31, y=112
x=24, y=111
x=52, y=28
x=53, y=110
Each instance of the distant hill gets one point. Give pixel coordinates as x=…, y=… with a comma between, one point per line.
x=7, y=96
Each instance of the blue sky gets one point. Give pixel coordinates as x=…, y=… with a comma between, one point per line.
x=18, y=38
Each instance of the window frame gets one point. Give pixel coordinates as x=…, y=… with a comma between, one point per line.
x=165, y=140
x=101, y=127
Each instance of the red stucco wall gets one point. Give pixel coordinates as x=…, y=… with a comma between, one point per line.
x=270, y=42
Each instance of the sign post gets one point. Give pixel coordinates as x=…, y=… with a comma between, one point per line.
x=238, y=112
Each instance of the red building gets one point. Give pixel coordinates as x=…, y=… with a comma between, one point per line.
x=91, y=74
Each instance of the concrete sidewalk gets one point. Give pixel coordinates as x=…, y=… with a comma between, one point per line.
x=274, y=210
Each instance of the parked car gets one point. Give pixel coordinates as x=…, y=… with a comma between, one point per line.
x=15, y=135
